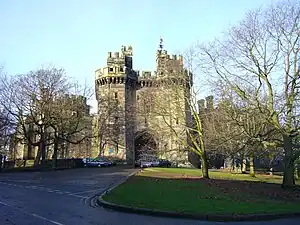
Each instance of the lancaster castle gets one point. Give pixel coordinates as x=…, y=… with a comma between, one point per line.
x=142, y=113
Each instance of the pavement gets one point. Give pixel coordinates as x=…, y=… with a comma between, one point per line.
x=69, y=198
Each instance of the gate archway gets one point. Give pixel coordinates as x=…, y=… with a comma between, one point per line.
x=145, y=145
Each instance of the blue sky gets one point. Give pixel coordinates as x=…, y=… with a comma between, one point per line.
x=77, y=34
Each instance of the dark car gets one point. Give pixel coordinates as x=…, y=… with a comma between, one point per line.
x=112, y=163
x=106, y=159
x=97, y=163
x=164, y=163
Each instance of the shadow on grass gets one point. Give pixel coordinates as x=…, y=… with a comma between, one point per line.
x=197, y=195
x=260, y=189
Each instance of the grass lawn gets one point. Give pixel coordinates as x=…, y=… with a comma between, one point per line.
x=183, y=190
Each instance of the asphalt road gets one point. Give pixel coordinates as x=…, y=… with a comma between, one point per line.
x=68, y=198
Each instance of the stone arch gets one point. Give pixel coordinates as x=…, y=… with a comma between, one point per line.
x=145, y=143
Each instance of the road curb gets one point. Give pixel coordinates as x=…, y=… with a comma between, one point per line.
x=182, y=215
x=100, y=195
x=208, y=217
x=94, y=199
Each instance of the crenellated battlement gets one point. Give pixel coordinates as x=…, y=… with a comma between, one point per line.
x=146, y=79
x=125, y=51
x=146, y=74
x=168, y=65
x=163, y=54
x=121, y=58
x=149, y=79
x=132, y=96
x=119, y=65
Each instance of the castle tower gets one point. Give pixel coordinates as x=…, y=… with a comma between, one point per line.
x=116, y=95
x=168, y=64
x=136, y=109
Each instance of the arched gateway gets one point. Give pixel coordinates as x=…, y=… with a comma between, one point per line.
x=145, y=145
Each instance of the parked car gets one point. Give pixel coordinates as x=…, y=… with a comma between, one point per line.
x=143, y=163
x=112, y=163
x=97, y=163
x=152, y=162
x=164, y=163
x=85, y=160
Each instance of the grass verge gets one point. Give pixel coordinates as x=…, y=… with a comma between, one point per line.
x=183, y=190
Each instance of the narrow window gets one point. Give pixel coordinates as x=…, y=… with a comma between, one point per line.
x=116, y=95
x=121, y=69
x=111, y=69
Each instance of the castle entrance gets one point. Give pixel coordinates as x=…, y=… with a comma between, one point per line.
x=145, y=146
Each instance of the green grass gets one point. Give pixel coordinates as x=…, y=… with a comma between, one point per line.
x=162, y=189
x=224, y=175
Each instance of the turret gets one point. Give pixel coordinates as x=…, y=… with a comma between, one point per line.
x=116, y=88
x=201, y=106
x=168, y=65
x=210, y=102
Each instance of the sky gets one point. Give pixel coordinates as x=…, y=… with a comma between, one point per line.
x=77, y=34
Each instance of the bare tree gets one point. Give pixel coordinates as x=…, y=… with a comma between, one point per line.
x=6, y=127
x=110, y=122
x=181, y=114
x=6, y=123
x=71, y=123
x=153, y=135
x=259, y=60
x=33, y=100
x=221, y=136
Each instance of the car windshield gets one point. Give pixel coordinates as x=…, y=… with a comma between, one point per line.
x=101, y=159
x=95, y=160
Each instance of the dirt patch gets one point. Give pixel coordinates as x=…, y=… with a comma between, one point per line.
x=258, y=189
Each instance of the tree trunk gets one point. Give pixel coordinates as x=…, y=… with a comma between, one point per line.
x=244, y=165
x=252, y=170
x=288, y=175
x=29, y=151
x=54, y=156
x=232, y=164
x=38, y=157
x=102, y=145
x=238, y=166
x=67, y=149
x=204, y=166
x=296, y=172
x=43, y=151
x=271, y=167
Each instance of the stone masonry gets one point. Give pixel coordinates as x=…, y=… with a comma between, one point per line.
x=140, y=110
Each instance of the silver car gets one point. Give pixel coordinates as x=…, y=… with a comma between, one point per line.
x=148, y=161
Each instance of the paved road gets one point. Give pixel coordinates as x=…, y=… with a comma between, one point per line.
x=66, y=198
